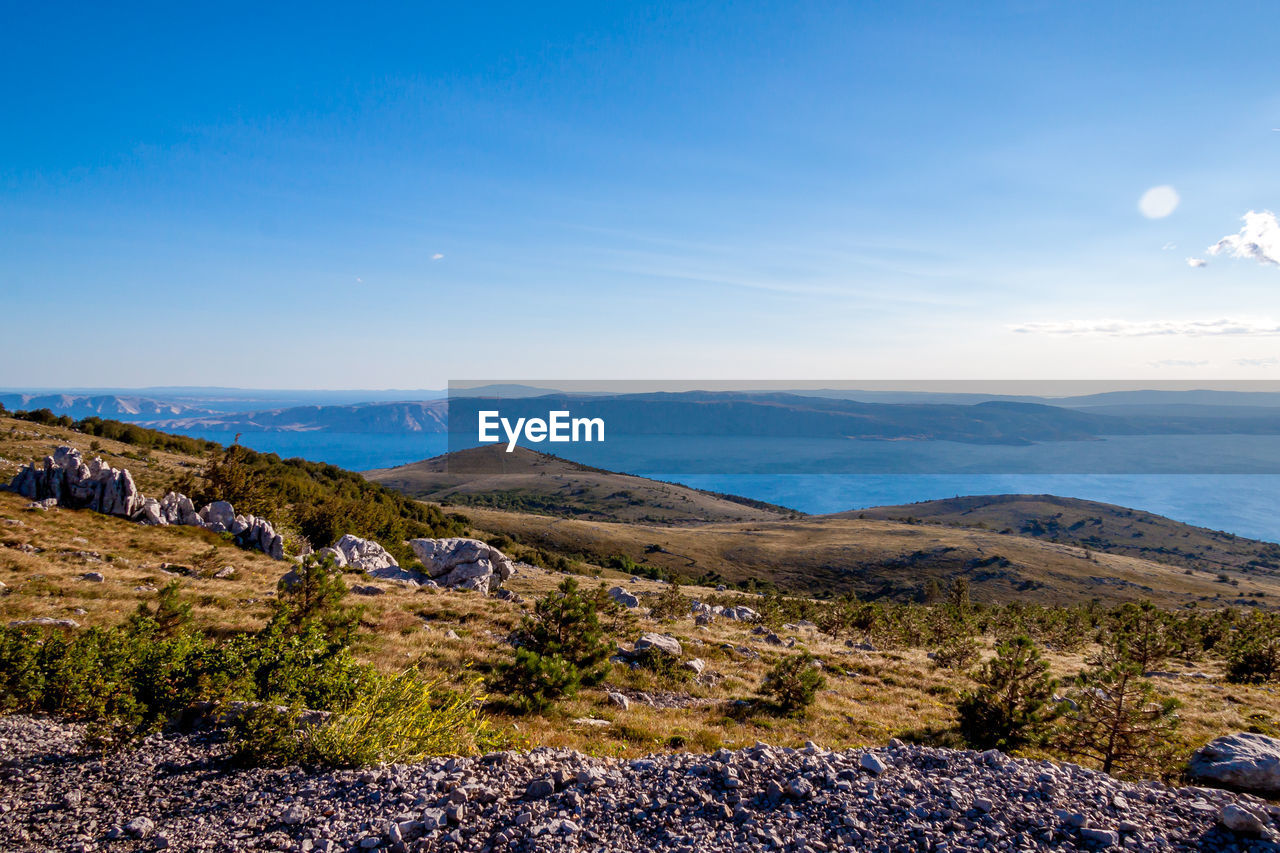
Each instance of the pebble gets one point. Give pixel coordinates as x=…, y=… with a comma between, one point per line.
x=182, y=790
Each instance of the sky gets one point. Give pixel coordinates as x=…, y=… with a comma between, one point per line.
x=397, y=195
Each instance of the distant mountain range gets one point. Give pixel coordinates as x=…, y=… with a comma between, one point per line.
x=118, y=407
x=370, y=418
x=879, y=415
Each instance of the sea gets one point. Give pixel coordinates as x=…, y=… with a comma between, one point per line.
x=1213, y=485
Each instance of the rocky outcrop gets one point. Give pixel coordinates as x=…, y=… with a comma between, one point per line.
x=69, y=481
x=73, y=483
x=741, y=613
x=624, y=598
x=460, y=563
x=1242, y=761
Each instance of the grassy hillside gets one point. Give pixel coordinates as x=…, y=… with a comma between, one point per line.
x=870, y=695
x=302, y=499
x=527, y=481
x=882, y=559
x=1088, y=524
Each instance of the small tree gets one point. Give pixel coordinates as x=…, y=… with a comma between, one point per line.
x=170, y=617
x=232, y=478
x=671, y=603
x=312, y=594
x=958, y=596
x=562, y=647
x=1143, y=633
x=793, y=682
x=1012, y=705
x=1119, y=720
x=1253, y=654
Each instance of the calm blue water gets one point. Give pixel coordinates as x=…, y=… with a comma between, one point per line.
x=1245, y=504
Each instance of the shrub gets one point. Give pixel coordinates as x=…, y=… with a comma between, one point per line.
x=314, y=594
x=267, y=736
x=128, y=680
x=171, y=616
x=562, y=647
x=956, y=652
x=1119, y=720
x=322, y=502
x=664, y=666
x=1253, y=654
x=1011, y=706
x=404, y=719
x=793, y=683
x=671, y=603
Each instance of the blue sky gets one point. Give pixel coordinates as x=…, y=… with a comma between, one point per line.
x=394, y=196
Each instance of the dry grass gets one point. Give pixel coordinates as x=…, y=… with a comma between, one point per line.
x=875, y=558
x=868, y=698
x=22, y=442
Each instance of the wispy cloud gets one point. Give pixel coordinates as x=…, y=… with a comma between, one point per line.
x=1196, y=263
x=437, y=256
x=1258, y=362
x=1153, y=328
x=1258, y=240
x=1176, y=362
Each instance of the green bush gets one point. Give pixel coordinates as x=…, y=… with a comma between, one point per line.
x=793, y=683
x=1120, y=721
x=662, y=665
x=671, y=603
x=1012, y=705
x=322, y=502
x=130, y=679
x=561, y=647
x=1253, y=654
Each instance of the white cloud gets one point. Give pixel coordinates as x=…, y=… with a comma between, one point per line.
x=1169, y=246
x=1196, y=263
x=1259, y=239
x=1153, y=328
x=1177, y=362
x=1258, y=362
x=437, y=256
x=1158, y=202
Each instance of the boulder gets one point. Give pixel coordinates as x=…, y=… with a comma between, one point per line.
x=623, y=597
x=1242, y=761
x=65, y=479
x=740, y=613
x=339, y=559
x=461, y=563
x=151, y=513
x=663, y=643
x=218, y=516
x=364, y=554
x=1243, y=820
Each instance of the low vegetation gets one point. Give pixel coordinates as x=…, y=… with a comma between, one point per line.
x=166, y=629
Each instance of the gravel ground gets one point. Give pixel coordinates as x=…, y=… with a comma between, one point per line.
x=178, y=792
